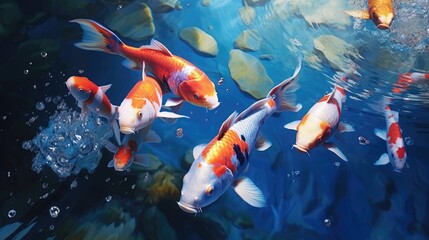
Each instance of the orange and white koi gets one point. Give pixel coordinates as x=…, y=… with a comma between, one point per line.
x=176, y=74
x=404, y=80
x=396, y=153
x=127, y=152
x=91, y=97
x=320, y=122
x=142, y=105
x=381, y=12
x=220, y=163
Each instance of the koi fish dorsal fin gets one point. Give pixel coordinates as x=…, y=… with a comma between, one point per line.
x=105, y=87
x=331, y=95
x=252, y=109
x=363, y=14
x=130, y=64
x=227, y=124
x=143, y=71
x=156, y=45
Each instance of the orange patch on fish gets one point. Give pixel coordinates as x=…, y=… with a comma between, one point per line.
x=133, y=145
x=149, y=88
x=271, y=103
x=123, y=155
x=220, y=152
x=401, y=153
x=394, y=133
x=341, y=90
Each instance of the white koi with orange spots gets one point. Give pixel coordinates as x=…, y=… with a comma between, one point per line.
x=91, y=97
x=320, y=122
x=142, y=105
x=127, y=152
x=220, y=163
x=396, y=153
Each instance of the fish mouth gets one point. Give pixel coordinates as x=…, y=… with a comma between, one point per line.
x=127, y=130
x=299, y=148
x=214, y=106
x=383, y=26
x=188, y=208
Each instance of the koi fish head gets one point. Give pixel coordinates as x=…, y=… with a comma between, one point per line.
x=201, y=186
x=310, y=133
x=382, y=19
x=80, y=88
x=123, y=158
x=200, y=92
x=134, y=116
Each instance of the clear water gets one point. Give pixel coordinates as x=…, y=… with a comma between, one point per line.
x=315, y=196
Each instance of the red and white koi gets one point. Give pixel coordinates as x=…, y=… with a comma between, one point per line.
x=91, y=97
x=127, y=152
x=220, y=163
x=176, y=74
x=142, y=105
x=404, y=80
x=320, y=122
x=396, y=153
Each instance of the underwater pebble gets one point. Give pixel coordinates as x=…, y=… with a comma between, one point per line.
x=54, y=211
x=409, y=141
x=363, y=141
x=327, y=222
x=40, y=106
x=44, y=54
x=199, y=40
x=11, y=213
x=179, y=133
x=108, y=198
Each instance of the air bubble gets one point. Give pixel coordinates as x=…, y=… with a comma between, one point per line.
x=40, y=106
x=11, y=213
x=73, y=184
x=52, y=227
x=337, y=164
x=133, y=186
x=45, y=185
x=363, y=141
x=327, y=222
x=54, y=211
x=179, y=133
x=44, y=54
x=27, y=145
x=119, y=7
x=409, y=141
x=81, y=71
x=108, y=198
x=107, y=179
x=26, y=71
x=220, y=81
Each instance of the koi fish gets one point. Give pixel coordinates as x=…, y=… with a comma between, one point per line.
x=381, y=12
x=126, y=153
x=220, y=163
x=176, y=74
x=320, y=122
x=404, y=80
x=91, y=97
x=142, y=105
x=396, y=154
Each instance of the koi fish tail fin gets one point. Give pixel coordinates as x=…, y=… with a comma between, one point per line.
x=284, y=93
x=98, y=38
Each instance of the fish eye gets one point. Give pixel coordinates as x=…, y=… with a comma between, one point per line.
x=80, y=90
x=140, y=114
x=209, y=190
x=196, y=96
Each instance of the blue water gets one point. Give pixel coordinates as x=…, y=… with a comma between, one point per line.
x=315, y=196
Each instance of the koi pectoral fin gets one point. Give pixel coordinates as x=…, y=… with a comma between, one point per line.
x=331, y=147
x=383, y=160
x=344, y=127
x=111, y=147
x=364, y=14
x=142, y=160
x=380, y=133
x=262, y=143
x=248, y=191
x=292, y=125
x=111, y=164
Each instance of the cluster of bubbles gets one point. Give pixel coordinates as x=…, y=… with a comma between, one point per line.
x=54, y=211
x=71, y=142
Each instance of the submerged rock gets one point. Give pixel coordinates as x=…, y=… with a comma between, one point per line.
x=205, y=3
x=243, y=221
x=249, y=73
x=133, y=21
x=163, y=6
x=73, y=8
x=247, y=15
x=158, y=226
x=255, y=2
x=188, y=159
x=11, y=17
x=199, y=40
x=249, y=40
x=335, y=50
